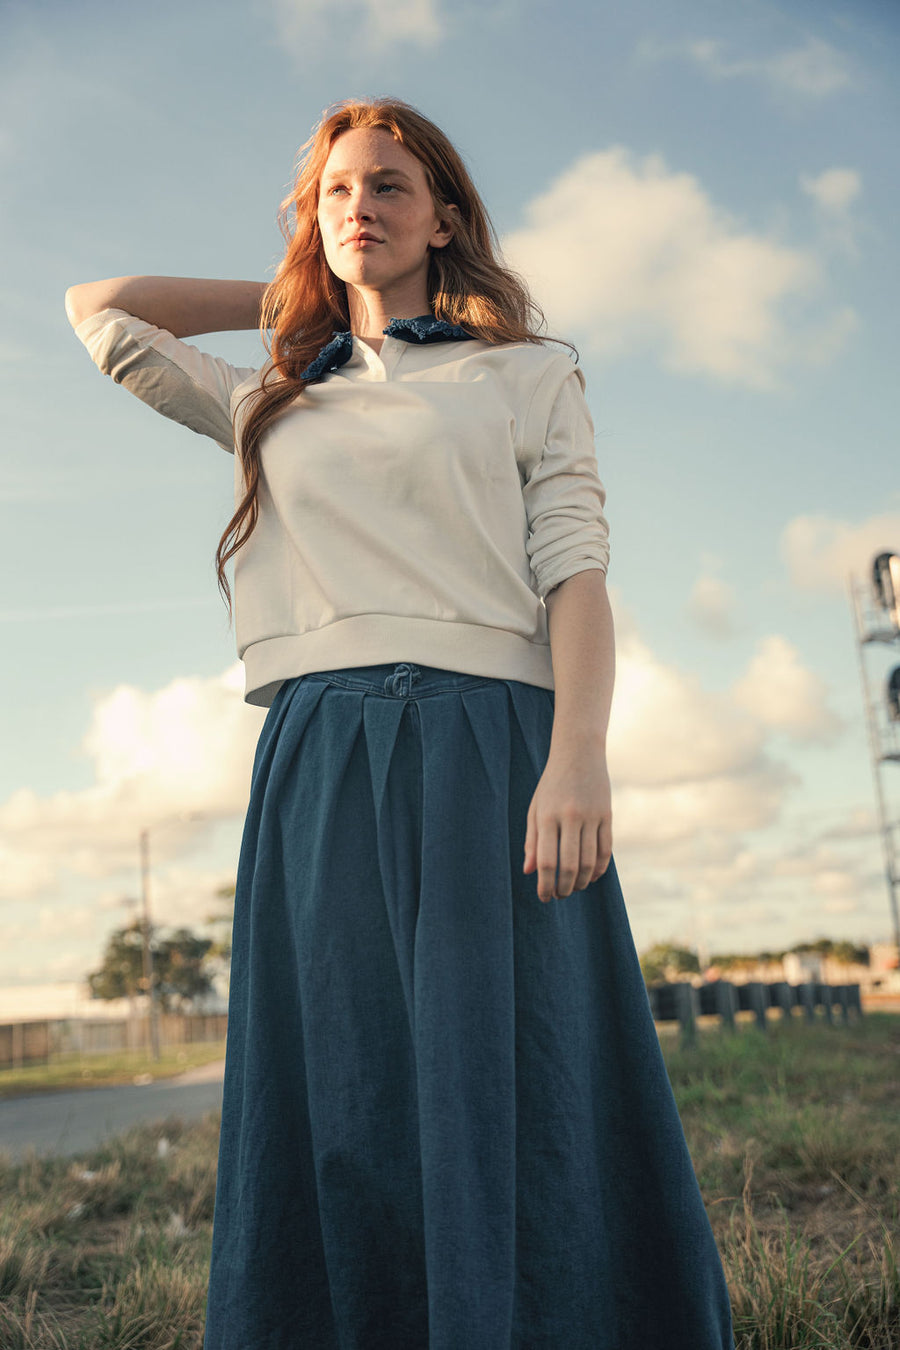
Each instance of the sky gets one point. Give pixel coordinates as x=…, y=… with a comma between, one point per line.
x=700, y=196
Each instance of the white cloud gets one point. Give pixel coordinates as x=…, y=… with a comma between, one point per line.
x=667, y=730
x=23, y=872
x=713, y=889
x=811, y=859
x=834, y=189
x=813, y=70
x=65, y=966
x=685, y=762
x=821, y=551
x=821, y=347
x=417, y=21
x=841, y=904
x=833, y=192
x=21, y=1001
x=72, y=921
x=836, y=883
x=159, y=758
x=785, y=696
x=730, y=803
x=699, y=803
x=860, y=822
x=366, y=25
x=188, y=740
x=185, y=895
x=634, y=254
x=711, y=605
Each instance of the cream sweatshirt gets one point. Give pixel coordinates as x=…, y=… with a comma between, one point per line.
x=414, y=505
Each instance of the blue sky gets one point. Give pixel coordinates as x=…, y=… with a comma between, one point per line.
x=701, y=196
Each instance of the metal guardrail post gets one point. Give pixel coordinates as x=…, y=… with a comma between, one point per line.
x=677, y=1003
x=687, y=1001
x=842, y=991
x=805, y=998
x=684, y=1002
x=754, y=997
x=823, y=1000
x=781, y=995
x=719, y=997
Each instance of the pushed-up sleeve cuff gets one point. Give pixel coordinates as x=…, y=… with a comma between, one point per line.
x=173, y=377
x=564, y=497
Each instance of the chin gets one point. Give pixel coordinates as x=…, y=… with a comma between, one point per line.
x=361, y=274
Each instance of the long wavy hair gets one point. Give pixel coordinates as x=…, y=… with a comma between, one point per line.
x=468, y=283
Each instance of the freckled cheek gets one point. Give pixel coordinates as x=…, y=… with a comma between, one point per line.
x=327, y=233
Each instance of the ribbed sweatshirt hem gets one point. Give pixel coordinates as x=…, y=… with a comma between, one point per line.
x=373, y=639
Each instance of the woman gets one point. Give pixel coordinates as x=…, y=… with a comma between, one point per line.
x=446, y=1119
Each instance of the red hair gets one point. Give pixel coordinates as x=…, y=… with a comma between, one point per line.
x=467, y=282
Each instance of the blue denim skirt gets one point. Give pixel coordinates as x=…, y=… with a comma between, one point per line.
x=447, y=1123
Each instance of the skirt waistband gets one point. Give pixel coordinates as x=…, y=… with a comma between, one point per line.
x=400, y=680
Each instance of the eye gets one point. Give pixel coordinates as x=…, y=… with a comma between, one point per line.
x=337, y=188
x=389, y=187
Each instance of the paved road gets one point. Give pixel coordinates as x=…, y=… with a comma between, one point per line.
x=64, y=1123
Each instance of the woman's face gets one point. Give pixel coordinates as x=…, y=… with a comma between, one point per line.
x=377, y=216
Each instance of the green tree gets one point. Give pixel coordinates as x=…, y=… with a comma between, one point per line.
x=222, y=920
x=179, y=974
x=849, y=954
x=179, y=963
x=664, y=962
x=122, y=973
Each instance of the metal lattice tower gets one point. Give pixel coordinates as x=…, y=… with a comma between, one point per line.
x=876, y=610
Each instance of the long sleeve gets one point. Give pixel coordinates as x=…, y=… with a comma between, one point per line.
x=564, y=497
x=173, y=377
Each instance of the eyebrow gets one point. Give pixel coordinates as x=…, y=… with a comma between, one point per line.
x=375, y=173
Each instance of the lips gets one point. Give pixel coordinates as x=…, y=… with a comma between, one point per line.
x=363, y=238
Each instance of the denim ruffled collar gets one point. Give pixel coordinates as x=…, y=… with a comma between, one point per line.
x=423, y=328
x=426, y=328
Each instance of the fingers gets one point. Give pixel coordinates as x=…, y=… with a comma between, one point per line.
x=604, y=849
x=530, y=841
x=587, y=870
x=568, y=856
x=547, y=856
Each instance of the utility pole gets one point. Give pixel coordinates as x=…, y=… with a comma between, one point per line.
x=146, y=930
x=146, y=927
x=876, y=612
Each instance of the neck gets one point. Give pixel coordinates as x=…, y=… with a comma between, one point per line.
x=372, y=311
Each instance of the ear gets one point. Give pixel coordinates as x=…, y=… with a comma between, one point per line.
x=446, y=227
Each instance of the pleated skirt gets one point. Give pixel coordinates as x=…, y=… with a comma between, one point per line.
x=447, y=1123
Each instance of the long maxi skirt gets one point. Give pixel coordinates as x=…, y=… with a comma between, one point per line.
x=447, y=1123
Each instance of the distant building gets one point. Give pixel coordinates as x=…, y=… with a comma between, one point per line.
x=802, y=967
x=883, y=957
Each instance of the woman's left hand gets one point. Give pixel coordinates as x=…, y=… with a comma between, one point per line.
x=570, y=822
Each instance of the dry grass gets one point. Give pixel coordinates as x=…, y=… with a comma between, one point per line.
x=110, y=1252
x=795, y=1137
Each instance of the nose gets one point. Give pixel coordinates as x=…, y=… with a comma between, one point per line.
x=359, y=207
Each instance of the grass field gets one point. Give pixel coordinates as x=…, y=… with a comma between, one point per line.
x=124, y=1066
x=795, y=1136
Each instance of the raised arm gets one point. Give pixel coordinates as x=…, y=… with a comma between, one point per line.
x=185, y=306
